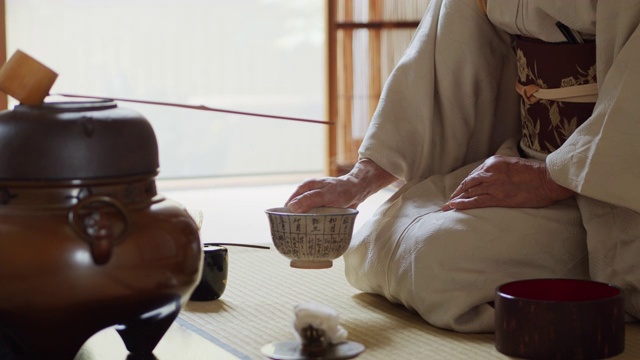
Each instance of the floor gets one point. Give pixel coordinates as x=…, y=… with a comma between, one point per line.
x=233, y=212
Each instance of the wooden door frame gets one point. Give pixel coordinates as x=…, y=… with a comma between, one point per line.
x=4, y=100
x=339, y=105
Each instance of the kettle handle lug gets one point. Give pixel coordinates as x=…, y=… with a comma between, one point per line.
x=90, y=221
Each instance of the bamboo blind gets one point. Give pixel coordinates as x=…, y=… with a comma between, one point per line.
x=366, y=38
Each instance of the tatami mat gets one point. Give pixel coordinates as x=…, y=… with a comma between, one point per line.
x=181, y=341
x=257, y=309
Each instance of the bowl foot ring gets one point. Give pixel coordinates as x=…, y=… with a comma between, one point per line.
x=311, y=264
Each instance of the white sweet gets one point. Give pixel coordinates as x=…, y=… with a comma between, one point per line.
x=320, y=317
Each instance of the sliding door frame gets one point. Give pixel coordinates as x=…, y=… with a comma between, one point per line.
x=4, y=101
x=342, y=146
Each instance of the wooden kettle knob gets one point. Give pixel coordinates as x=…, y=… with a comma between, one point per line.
x=25, y=79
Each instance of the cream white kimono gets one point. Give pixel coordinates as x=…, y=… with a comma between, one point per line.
x=450, y=104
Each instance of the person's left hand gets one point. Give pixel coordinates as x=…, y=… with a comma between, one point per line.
x=503, y=181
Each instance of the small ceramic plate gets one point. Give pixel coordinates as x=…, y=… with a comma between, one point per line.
x=291, y=350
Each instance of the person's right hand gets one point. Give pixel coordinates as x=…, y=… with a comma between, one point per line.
x=346, y=191
x=329, y=191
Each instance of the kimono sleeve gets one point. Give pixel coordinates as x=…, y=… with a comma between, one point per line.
x=601, y=159
x=451, y=100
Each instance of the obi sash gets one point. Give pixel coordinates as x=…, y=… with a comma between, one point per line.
x=558, y=85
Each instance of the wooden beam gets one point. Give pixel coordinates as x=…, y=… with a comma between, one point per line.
x=345, y=94
x=377, y=25
x=331, y=87
x=4, y=100
x=376, y=11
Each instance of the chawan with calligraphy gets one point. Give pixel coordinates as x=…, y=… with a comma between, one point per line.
x=314, y=239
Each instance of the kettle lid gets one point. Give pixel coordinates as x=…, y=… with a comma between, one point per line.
x=75, y=140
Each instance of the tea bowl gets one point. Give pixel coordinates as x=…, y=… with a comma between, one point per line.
x=559, y=319
x=311, y=240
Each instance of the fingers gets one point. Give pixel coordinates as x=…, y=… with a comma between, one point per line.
x=303, y=188
x=456, y=198
x=467, y=195
x=468, y=203
x=309, y=195
x=467, y=184
x=306, y=201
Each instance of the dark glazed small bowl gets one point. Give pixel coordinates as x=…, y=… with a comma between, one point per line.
x=559, y=319
x=214, y=274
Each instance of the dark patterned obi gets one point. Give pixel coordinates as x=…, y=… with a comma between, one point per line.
x=558, y=85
